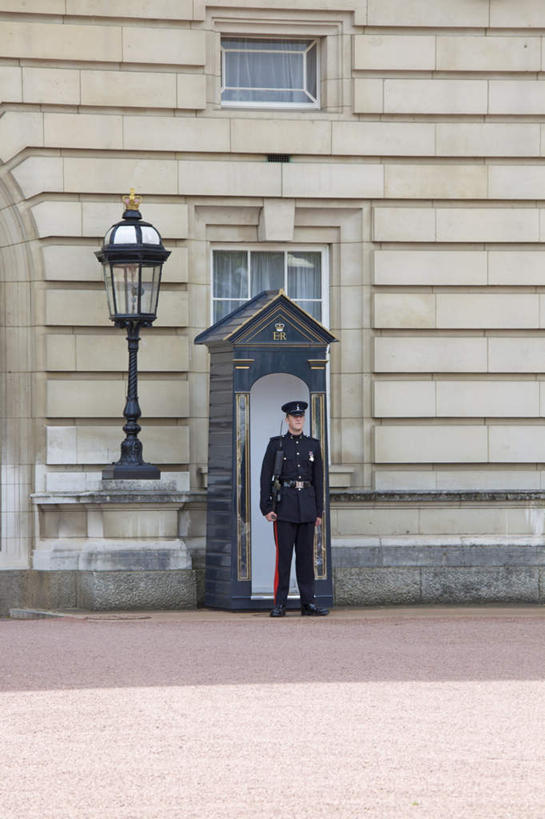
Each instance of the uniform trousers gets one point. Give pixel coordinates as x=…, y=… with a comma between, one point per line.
x=286, y=536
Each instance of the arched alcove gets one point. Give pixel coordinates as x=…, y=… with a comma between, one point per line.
x=17, y=384
x=266, y=398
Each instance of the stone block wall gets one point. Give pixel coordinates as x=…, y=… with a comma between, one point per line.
x=421, y=172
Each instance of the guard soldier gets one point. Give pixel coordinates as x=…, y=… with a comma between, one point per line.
x=292, y=498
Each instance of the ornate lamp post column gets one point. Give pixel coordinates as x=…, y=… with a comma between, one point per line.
x=132, y=257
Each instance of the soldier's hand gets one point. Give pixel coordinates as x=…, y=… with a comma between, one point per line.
x=271, y=517
x=318, y=521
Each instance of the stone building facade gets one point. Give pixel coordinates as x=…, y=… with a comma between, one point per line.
x=413, y=168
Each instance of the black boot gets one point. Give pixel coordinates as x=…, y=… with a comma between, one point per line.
x=278, y=611
x=312, y=610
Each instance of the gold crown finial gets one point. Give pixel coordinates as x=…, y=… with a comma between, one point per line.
x=132, y=200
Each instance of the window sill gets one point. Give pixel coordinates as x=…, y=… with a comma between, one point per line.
x=268, y=106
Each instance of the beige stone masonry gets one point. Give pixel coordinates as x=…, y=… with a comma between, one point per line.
x=489, y=479
x=387, y=480
x=516, y=181
x=39, y=173
x=516, y=355
x=113, y=175
x=459, y=479
x=106, y=353
x=368, y=96
x=517, y=444
x=488, y=225
x=222, y=178
x=500, y=399
x=404, y=224
x=50, y=41
x=60, y=352
x=383, y=138
x=413, y=224
x=434, y=96
x=83, y=131
x=191, y=91
x=435, y=181
x=11, y=86
x=525, y=14
x=157, y=353
x=276, y=221
x=129, y=89
x=176, y=134
x=487, y=139
x=430, y=354
x=419, y=13
x=57, y=218
x=19, y=129
x=87, y=308
x=488, y=53
x=374, y=522
x=471, y=521
x=404, y=399
x=163, y=45
x=373, y=52
x=271, y=136
x=432, y=444
x=34, y=6
x=476, y=310
x=517, y=96
x=105, y=399
x=76, y=307
x=135, y=9
x=335, y=180
x=523, y=267
x=431, y=267
x=403, y=310
x=100, y=444
x=59, y=86
x=457, y=399
x=454, y=310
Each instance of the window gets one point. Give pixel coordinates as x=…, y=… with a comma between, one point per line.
x=238, y=275
x=269, y=72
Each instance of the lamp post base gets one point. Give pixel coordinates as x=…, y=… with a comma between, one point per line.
x=131, y=472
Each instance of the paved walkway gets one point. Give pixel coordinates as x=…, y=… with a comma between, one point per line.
x=420, y=712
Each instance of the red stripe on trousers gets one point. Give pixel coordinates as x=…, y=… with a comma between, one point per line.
x=275, y=529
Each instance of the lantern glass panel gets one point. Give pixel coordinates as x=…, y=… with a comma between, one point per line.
x=109, y=288
x=126, y=288
x=151, y=276
x=125, y=235
x=150, y=235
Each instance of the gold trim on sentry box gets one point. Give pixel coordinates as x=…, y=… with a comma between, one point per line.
x=244, y=558
x=317, y=403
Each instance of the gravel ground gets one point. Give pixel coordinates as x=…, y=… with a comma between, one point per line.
x=425, y=712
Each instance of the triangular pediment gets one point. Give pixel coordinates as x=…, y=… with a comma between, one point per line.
x=270, y=319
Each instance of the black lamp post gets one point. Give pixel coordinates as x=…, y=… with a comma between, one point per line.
x=132, y=257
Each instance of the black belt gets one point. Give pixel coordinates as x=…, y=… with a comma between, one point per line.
x=296, y=484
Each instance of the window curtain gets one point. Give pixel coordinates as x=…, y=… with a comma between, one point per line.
x=274, y=68
x=305, y=281
x=267, y=271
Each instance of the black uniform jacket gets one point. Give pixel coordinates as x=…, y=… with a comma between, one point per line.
x=302, y=462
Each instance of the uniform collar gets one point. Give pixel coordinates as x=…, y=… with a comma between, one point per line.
x=294, y=437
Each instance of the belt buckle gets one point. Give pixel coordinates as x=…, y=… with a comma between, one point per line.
x=299, y=485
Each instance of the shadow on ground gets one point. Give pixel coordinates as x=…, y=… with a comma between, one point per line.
x=248, y=649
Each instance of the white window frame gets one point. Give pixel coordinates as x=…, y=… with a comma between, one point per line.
x=256, y=104
x=275, y=248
